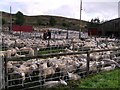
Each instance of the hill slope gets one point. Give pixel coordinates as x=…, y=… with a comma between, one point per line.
x=44, y=21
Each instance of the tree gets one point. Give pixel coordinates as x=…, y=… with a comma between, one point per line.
x=94, y=23
x=39, y=21
x=64, y=24
x=19, y=18
x=3, y=21
x=52, y=21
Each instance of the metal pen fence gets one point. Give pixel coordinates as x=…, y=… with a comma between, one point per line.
x=15, y=81
x=49, y=50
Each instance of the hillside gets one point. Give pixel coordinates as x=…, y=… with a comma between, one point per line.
x=43, y=21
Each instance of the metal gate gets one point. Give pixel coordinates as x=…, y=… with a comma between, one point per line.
x=2, y=78
x=37, y=82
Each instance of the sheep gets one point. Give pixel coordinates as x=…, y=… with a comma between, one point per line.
x=68, y=50
x=83, y=66
x=46, y=72
x=30, y=50
x=10, y=52
x=2, y=53
x=93, y=67
x=43, y=66
x=17, y=55
x=95, y=56
x=73, y=76
x=10, y=67
x=71, y=68
x=21, y=72
x=108, y=68
x=34, y=68
x=61, y=70
x=24, y=70
x=112, y=61
x=73, y=65
x=50, y=84
x=27, y=63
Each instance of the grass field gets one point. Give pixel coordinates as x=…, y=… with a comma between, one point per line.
x=104, y=80
x=50, y=51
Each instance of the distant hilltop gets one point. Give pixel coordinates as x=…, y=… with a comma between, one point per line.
x=44, y=21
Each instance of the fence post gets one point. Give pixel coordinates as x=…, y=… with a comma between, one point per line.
x=67, y=34
x=88, y=62
x=48, y=43
x=6, y=74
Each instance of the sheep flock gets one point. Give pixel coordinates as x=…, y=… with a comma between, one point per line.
x=53, y=71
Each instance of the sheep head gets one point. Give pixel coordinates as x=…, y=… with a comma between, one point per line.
x=33, y=67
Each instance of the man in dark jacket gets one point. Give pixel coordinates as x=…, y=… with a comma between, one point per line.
x=49, y=34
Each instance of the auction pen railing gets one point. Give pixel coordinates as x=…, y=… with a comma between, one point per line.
x=12, y=83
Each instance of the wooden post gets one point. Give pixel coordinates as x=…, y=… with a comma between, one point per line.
x=80, y=19
x=88, y=62
x=67, y=34
x=6, y=73
x=10, y=20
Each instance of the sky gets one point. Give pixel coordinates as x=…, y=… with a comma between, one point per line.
x=102, y=9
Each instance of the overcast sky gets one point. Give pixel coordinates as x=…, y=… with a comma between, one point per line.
x=103, y=9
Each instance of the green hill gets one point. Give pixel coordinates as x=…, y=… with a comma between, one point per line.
x=44, y=21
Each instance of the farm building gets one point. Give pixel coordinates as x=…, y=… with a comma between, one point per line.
x=110, y=28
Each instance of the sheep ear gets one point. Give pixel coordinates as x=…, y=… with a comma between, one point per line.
x=68, y=73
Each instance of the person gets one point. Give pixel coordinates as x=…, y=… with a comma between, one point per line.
x=45, y=35
x=49, y=34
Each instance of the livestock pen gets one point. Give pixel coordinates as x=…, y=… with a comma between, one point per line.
x=37, y=80
x=57, y=60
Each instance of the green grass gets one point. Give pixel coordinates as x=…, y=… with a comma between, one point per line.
x=102, y=80
x=50, y=51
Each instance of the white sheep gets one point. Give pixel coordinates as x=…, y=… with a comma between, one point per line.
x=51, y=84
x=43, y=66
x=108, y=68
x=28, y=49
x=61, y=69
x=73, y=76
x=71, y=68
x=9, y=67
x=17, y=55
x=46, y=72
x=95, y=56
x=68, y=50
x=2, y=53
x=112, y=61
x=24, y=70
x=10, y=52
x=93, y=66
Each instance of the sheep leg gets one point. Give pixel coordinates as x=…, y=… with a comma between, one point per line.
x=30, y=78
x=23, y=78
x=22, y=83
